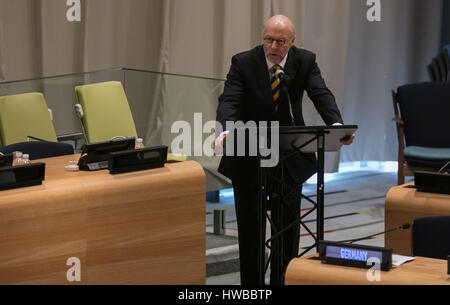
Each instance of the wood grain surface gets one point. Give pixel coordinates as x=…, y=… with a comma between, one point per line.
x=404, y=204
x=145, y=227
x=305, y=271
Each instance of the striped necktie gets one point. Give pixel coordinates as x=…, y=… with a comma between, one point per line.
x=275, y=82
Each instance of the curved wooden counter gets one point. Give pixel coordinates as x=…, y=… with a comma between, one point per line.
x=404, y=204
x=144, y=227
x=305, y=271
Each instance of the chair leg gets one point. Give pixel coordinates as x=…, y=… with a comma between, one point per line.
x=400, y=174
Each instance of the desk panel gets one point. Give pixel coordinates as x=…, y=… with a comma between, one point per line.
x=305, y=271
x=404, y=204
x=144, y=227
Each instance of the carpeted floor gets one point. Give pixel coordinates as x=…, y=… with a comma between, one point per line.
x=354, y=207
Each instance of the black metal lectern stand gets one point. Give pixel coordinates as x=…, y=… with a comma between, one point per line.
x=292, y=141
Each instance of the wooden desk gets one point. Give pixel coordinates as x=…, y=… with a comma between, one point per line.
x=144, y=227
x=403, y=205
x=304, y=271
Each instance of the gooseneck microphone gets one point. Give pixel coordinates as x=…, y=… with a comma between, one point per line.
x=404, y=226
x=281, y=75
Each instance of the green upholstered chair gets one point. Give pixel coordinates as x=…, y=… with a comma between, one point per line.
x=104, y=112
x=24, y=115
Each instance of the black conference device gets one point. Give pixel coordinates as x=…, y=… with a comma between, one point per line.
x=135, y=160
x=351, y=255
x=432, y=182
x=95, y=156
x=12, y=177
x=448, y=265
x=6, y=160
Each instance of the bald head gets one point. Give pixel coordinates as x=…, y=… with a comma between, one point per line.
x=279, y=36
x=280, y=22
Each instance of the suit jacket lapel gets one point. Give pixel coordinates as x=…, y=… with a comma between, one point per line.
x=262, y=74
x=291, y=67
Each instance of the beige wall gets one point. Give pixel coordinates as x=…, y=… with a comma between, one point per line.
x=361, y=61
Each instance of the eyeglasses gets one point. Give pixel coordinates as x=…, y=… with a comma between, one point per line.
x=278, y=42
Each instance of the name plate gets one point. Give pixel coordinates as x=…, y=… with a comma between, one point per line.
x=139, y=159
x=12, y=177
x=361, y=256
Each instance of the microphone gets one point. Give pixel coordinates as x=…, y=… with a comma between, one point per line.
x=404, y=226
x=36, y=139
x=281, y=75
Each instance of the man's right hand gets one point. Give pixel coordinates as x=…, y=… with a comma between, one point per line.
x=218, y=142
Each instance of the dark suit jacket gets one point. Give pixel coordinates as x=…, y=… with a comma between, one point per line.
x=247, y=97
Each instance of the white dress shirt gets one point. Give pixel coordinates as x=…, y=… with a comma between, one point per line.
x=281, y=64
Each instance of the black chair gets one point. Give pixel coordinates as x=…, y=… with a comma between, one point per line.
x=39, y=149
x=442, y=67
x=432, y=73
x=422, y=120
x=446, y=55
x=431, y=237
x=439, y=68
x=435, y=70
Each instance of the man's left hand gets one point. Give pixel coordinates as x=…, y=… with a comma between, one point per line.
x=347, y=140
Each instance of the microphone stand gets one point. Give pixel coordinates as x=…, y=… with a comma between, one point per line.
x=291, y=113
x=277, y=255
x=351, y=241
x=283, y=79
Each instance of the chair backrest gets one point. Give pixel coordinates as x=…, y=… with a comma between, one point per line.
x=25, y=115
x=106, y=112
x=446, y=55
x=39, y=149
x=442, y=66
x=436, y=70
x=431, y=237
x=432, y=73
x=424, y=109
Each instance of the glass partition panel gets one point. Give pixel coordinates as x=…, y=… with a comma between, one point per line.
x=60, y=94
x=162, y=103
x=159, y=103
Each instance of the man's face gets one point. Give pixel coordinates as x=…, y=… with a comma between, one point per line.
x=278, y=39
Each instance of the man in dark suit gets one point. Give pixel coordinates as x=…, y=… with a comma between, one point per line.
x=253, y=93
